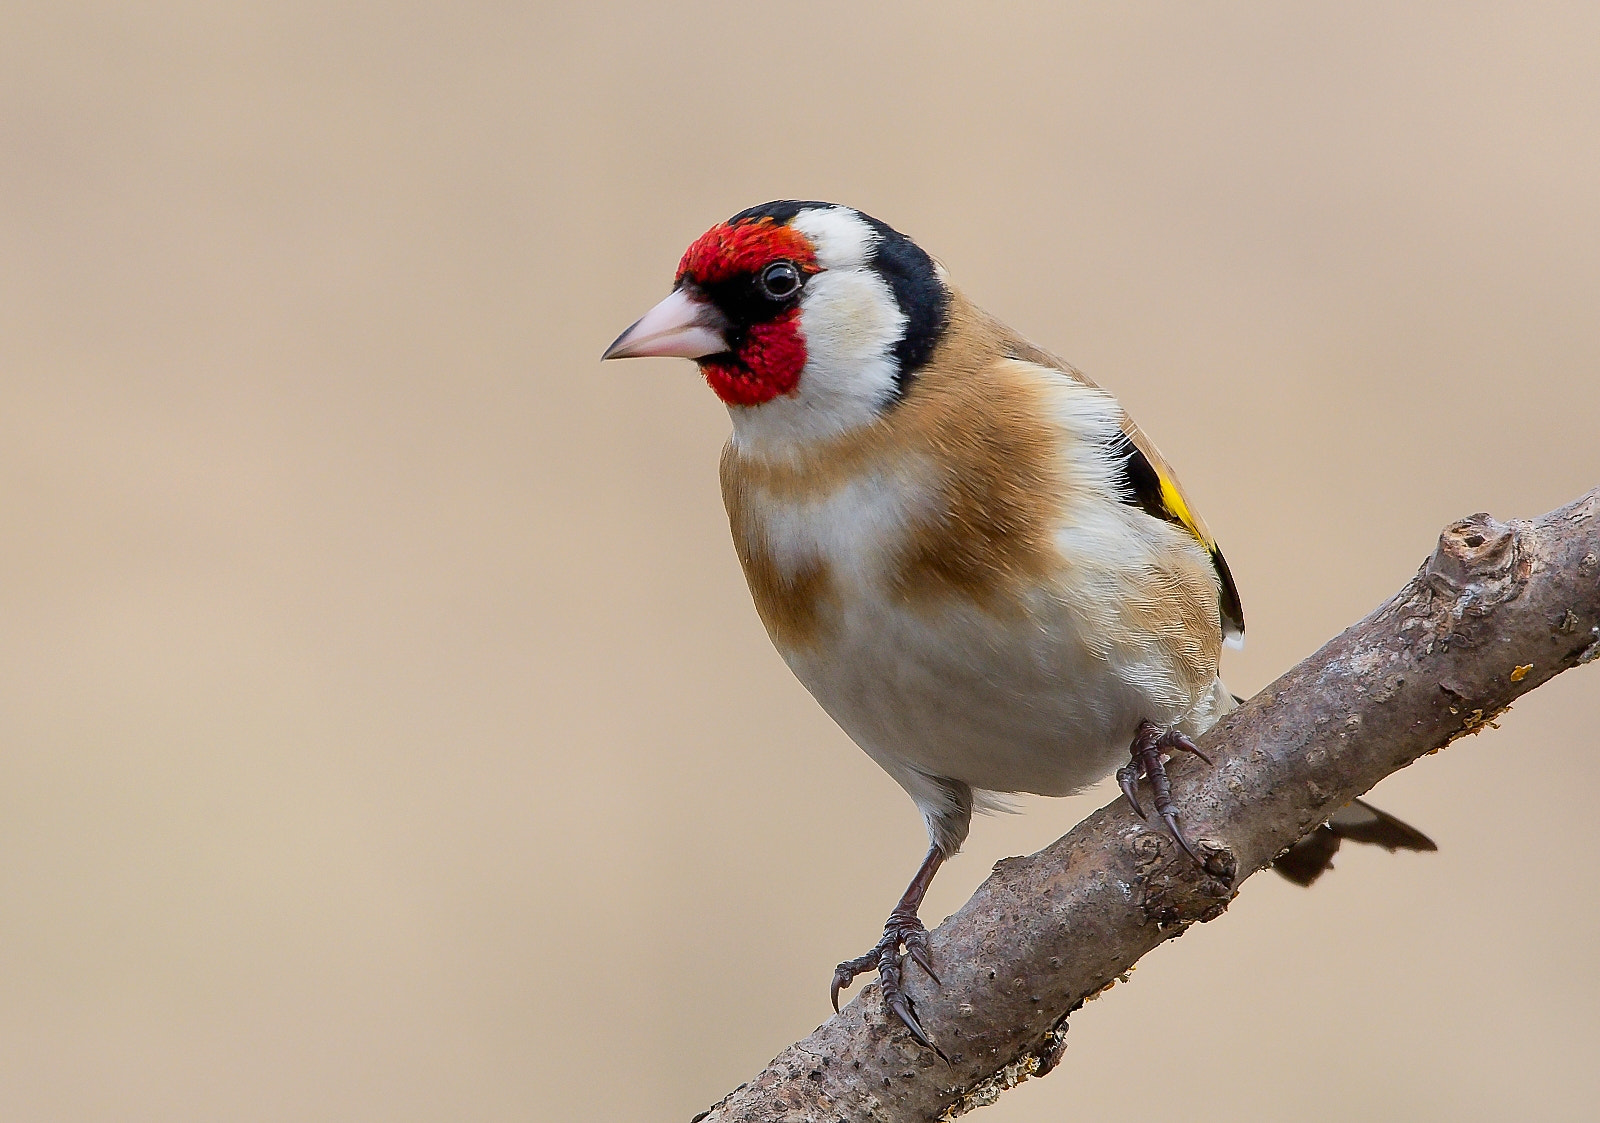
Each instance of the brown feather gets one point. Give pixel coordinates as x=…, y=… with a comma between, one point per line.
x=791, y=603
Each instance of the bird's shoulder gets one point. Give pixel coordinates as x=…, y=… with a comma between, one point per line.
x=978, y=344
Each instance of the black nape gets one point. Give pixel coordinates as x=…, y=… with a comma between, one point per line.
x=914, y=280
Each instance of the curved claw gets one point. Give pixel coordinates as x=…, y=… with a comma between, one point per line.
x=1127, y=779
x=917, y=947
x=846, y=972
x=1180, y=743
x=1171, y=819
x=903, y=1009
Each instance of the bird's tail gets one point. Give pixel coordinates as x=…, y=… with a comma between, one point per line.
x=1358, y=821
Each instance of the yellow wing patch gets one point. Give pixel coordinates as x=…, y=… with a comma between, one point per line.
x=1172, y=500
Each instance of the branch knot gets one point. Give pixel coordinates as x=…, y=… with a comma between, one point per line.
x=1479, y=563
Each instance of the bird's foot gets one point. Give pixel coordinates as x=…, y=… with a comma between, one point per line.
x=1146, y=761
x=902, y=930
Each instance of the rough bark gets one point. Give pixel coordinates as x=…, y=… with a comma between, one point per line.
x=1499, y=609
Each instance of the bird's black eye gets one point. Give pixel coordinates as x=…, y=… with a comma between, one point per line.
x=779, y=281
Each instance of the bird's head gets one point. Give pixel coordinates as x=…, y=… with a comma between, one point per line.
x=807, y=319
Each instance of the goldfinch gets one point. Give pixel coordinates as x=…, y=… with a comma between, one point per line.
x=965, y=550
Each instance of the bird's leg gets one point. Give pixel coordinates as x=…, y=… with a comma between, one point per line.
x=903, y=928
x=1146, y=762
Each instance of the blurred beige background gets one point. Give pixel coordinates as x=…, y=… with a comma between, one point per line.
x=385, y=731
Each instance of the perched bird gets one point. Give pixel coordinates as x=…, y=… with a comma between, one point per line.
x=966, y=550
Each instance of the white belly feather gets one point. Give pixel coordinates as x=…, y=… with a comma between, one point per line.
x=1004, y=703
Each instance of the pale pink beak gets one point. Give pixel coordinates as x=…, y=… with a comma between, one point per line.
x=684, y=325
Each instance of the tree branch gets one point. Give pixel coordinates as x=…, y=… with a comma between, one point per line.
x=1496, y=611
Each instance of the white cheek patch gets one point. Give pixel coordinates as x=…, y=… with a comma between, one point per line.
x=850, y=321
x=841, y=237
